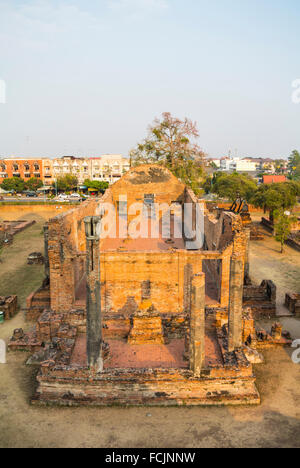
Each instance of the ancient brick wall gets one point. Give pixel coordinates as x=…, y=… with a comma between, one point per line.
x=37, y=302
x=124, y=274
x=66, y=245
x=148, y=180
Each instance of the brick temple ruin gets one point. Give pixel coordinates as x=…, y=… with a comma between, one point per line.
x=8, y=229
x=147, y=321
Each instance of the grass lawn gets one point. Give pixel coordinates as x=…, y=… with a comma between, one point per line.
x=16, y=277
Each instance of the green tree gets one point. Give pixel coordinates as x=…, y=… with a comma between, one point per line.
x=282, y=226
x=101, y=186
x=208, y=184
x=213, y=166
x=34, y=184
x=280, y=166
x=275, y=197
x=295, y=187
x=233, y=185
x=294, y=165
x=172, y=142
x=66, y=183
x=14, y=183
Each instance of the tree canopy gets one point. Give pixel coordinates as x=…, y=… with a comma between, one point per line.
x=294, y=165
x=34, y=184
x=101, y=186
x=233, y=185
x=66, y=183
x=20, y=185
x=172, y=143
x=283, y=224
x=14, y=183
x=276, y=197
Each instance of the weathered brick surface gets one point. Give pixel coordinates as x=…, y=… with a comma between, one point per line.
x=146, y=330
x=292, y=302
x=8, y=305
x=261, y=299
x=37, y=302
x=147, y=299
x=160, y=387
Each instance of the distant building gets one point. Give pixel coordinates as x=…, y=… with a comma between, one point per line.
x=238, y=165
x=109, y=168
x=226, y=164
x=21, y=168
x=274, y=179
x=246, y=165
x=78, y=167
x=210, y=162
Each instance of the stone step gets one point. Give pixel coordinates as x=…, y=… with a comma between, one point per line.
x=146, y=330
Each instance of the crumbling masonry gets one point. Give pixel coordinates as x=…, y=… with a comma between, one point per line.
x=148, y=320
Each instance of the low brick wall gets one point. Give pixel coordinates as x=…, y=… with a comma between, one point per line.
x=261, y=299
x=292, y=302
x=37, y=302
x=69, y=386
x=266, y=223
x=294, y=241
x=9, y=306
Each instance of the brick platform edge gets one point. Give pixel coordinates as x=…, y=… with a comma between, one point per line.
x=132, y=387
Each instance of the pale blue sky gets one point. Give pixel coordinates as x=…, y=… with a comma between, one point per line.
x=88, y=77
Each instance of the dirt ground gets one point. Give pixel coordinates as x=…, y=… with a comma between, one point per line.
x=276, y=423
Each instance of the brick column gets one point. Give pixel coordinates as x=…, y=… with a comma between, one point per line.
x=235, y=303
x=225, y=279
x=197, y=325
x=93, y=296
x=46, y=248
x=247, y=260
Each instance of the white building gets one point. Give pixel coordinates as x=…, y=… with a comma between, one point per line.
x=216, y=162
x=238, y=165
x=227, y=164
x=78, y=167
x=109, y=167
x=246, y=165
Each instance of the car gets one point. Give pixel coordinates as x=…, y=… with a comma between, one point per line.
x=31, y=195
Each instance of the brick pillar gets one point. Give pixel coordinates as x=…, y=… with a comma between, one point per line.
x=247, y=279
x=46, y=249
x=236, y=289
x=225, y=278
x=197, y=325
x=93, y=296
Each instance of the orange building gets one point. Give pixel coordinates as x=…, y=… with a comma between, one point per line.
x=22, y=168
x=274, y=179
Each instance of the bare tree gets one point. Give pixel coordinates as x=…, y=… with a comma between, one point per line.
x=171, y=142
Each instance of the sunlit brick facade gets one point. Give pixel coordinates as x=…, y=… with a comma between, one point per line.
x=21, y=168
x=109, y=168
